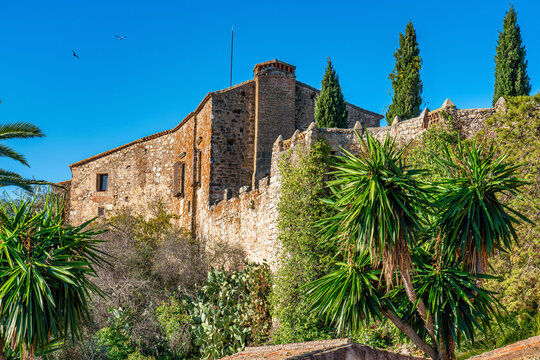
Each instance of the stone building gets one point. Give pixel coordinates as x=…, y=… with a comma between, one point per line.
x=221, y=151
x=217, y=169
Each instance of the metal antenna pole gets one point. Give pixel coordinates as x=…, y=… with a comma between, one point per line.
x=232, y=40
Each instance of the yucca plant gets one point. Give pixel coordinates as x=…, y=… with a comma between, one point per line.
x=457, y=305
x=19, y=130
x=474, y=219
x=380, y=207
x=348, y=296
x=377, y=202
x=46, y=270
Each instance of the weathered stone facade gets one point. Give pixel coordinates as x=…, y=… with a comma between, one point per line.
x=217, y=169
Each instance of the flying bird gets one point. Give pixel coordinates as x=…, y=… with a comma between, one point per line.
x=121, y=37
x=75, y=54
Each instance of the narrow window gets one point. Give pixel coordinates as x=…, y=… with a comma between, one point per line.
x=100, y=211
x=179, y=178
x=102, y=182
x=196, y=172
x=199, y=167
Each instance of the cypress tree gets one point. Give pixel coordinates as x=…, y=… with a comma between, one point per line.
x=405, y=78
x=511, y=77
x=330, y=105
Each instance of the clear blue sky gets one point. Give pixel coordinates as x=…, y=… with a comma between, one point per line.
x=177, y=51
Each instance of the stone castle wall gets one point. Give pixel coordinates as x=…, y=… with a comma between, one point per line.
x=233, y=140
x=274, y=115
x=229, y=148
x=143, y=173
x=250, y=219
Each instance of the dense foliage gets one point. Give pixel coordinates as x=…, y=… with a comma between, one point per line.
x=405, y=78
x=516, y=132
x=46, y=275
x=381, y=225
x=174, y=309
x=511, y=77
x=330, y=105
x=302, y=257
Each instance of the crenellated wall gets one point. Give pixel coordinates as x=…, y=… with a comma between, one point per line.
x=229, y=148
x=250, y=218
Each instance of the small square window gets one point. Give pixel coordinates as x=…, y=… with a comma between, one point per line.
x=102, y=182
x=100, y=211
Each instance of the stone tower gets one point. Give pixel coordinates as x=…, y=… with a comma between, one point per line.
x=275, y=84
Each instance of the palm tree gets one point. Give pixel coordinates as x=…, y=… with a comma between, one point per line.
x=45, y=277
x=377, y=199
x=19, y=130
x=475, y=220
x=380, y=207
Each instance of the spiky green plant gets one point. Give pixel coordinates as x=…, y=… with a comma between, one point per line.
x=459, y=308
x=19, y=130
x=377, y=202
x=379, y=207
x=475, y=220
x=46, y=270
x=348, y=296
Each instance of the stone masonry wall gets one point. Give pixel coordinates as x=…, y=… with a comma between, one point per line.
x=233, y=138
x=135, y=173
x=274, y=115
x=247, y=221
x=142, y=172
x=250, y=219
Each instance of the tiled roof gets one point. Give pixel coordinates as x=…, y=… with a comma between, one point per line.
x=323, y=349
x=525, y=349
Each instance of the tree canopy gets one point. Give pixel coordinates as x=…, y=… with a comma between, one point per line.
x=330, y=105
x=511, y=77
x=406, y=83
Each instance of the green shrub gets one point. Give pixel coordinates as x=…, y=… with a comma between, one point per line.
x=302, y=257
x=115, y=339
x=516, y=132
x=229, y=311
x=176, y=324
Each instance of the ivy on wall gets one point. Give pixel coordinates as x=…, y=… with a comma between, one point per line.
x=302, y=257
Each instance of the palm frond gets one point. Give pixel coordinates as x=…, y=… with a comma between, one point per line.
x=45, y=271
x=6, y=151
x=474, y=219
x=347, y=297
x=19, y=130
x=9, y=178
